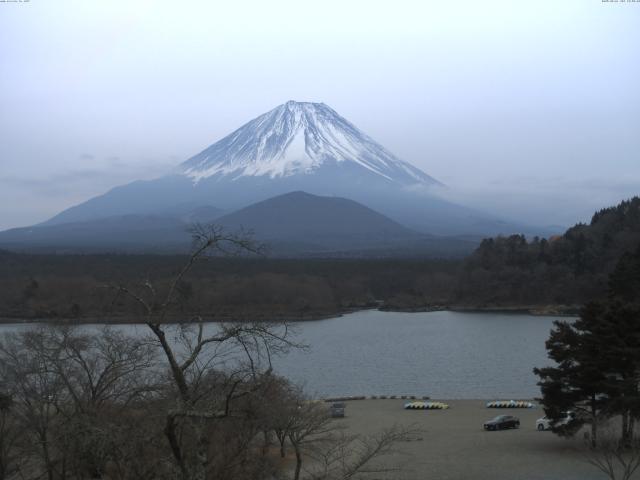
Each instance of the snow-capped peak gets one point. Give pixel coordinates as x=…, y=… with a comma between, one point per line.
x=298, y=138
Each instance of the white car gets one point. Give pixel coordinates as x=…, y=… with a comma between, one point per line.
x=544, y=423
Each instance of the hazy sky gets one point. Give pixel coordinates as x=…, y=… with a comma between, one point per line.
x=530, y=109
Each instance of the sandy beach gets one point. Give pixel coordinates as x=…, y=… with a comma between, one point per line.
x=453, y=444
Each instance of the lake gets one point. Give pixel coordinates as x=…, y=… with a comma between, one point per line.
x=440, y=354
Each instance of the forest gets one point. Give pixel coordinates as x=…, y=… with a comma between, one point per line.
x=556, y=274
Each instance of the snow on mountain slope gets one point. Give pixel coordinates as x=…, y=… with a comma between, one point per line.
x=298, y=138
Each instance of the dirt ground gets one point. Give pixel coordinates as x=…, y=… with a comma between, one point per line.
x=453, y=444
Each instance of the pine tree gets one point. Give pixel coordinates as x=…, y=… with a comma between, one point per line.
x=598, y=358
x=577, y=384
x=624, y=281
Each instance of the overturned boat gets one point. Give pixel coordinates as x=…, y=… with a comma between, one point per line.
x=425, y=406
x=510, y=404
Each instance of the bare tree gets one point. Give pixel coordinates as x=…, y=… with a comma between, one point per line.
x=340, y=456
x=103, y=373
x=310, y=424
x=280, y=410
x=9, y=435
x=139, y=449
x=69, y=390
x=209, y=370
x=37, y=390
x=617, y=458
x=323, y=449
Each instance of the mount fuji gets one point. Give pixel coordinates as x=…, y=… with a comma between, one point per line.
x=296, y=147
x=300, y=138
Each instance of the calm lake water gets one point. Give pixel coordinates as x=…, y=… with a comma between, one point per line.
x=440, y=354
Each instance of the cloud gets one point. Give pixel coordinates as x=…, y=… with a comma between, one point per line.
x=542, y=200
x=26, y=198
x=111, y=170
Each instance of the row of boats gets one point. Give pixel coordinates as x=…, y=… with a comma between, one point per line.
x=443, y=406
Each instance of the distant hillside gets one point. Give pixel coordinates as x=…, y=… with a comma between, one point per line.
x=295, y=224
x=566, y=269
x=301, y=224
x=126, y=233
x=134, y=233
x=302, y=216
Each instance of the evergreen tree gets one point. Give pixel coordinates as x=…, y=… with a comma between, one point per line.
x=598, y=358
x=624, y=281
x=577, y=384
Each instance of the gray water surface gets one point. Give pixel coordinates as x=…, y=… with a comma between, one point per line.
x=440, y=354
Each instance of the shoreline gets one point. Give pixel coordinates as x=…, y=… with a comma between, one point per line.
x=176, y=319
x=534, y=310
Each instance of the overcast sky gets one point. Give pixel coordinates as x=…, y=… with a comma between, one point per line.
x=530, y=109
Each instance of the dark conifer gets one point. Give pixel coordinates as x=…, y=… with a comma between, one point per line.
x=598, y=358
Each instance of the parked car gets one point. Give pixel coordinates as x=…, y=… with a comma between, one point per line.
x=502, y=422
x=544, y=423
x=337, y=409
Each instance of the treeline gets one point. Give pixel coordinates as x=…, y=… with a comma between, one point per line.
x=567, y=270
x=80, y=286
x=504, y=272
